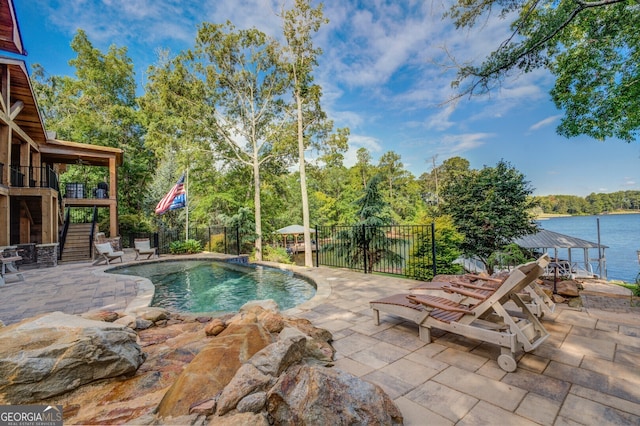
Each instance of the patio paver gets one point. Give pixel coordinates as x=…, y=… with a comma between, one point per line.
x=585, y=373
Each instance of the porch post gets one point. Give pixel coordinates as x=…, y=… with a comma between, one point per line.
x=113, y=197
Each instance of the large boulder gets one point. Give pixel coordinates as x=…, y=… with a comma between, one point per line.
x=214, y=367
x=310, y=394
x=52, y=354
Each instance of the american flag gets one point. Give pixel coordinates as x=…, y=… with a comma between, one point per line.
x=175, y=199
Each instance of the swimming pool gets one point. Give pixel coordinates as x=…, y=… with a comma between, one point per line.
x=213, y=286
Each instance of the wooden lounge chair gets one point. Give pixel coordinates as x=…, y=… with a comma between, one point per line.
x=538, y=302
x=142, y=247
x=105, y=253
x=486, y=319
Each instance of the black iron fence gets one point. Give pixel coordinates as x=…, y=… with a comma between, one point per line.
x=406, y=250
x=218, y=239
x=33, y=177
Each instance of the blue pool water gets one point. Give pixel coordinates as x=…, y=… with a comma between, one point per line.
x=210, y=286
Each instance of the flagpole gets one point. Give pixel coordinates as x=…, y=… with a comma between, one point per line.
x=186, y=204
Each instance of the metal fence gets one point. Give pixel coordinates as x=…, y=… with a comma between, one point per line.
x=219, y=239
x=406, y=250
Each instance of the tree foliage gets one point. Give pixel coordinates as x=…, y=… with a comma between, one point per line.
x=490, y=207
x=367, y=243
x=591, y=46
x=225, y=96
x=98, y=106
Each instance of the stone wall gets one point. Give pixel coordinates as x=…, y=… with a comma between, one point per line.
x=47, y=255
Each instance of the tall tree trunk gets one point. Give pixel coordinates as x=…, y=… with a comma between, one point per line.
x=308, y=254
x=258, y=208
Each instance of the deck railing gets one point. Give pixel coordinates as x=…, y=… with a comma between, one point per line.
x=33, y=177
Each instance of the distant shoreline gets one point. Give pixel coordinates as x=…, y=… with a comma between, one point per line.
x=544, y=216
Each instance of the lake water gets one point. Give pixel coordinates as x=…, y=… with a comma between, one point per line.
x=620, y=232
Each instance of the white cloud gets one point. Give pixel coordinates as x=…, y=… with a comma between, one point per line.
x=360, y=141
x=454, y=145
x=546, y=122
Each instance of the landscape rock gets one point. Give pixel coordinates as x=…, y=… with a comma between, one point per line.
x=143, y=324
x=55, y=353
x=214, y=367
x=253, y=403
x=153, y=314
x=246, y=380
x=241, y=419
x=308, y=394
x=215, y=327
x=278, y=356
x=127, y=321
x=567, y=288
x=107, y=316
x=207, y=407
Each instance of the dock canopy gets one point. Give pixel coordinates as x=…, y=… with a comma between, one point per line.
x=544, y=240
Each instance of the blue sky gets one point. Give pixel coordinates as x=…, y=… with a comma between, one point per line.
x=385, y=74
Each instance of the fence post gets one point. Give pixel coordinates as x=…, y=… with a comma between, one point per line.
x=238, y=239
x=156, y=241
x=317, y=248
x=433, y=248
x=364, y=247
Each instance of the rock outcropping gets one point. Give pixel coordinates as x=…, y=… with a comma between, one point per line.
x=56, y=353
x=255, y=367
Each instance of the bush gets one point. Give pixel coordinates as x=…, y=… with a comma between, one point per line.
x=276, y=254
x=185, y=247
x=216, y=244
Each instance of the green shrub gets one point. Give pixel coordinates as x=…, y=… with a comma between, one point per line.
x=216, y=244
x=185, y=247
x=276, y=254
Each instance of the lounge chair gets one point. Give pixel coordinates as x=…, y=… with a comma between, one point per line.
x=142, y=246
x=106, y=254
x=536, y=299
x=485, y=319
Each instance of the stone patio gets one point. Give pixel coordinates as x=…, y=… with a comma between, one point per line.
x=586, y=373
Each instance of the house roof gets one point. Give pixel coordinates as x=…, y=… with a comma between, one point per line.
x=10, y=38
x=28, y=119
x=545, y=239
x=59, y=151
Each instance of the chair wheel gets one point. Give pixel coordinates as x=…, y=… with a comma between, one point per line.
x=507, y=363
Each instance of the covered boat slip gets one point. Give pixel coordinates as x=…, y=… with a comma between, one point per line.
x=557, y=245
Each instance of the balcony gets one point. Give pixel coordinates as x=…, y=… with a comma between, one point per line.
x=79, y=190
x=32, y=177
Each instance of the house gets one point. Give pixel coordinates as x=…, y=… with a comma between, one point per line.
x=32, y=208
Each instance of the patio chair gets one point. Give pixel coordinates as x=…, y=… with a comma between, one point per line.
x=105, y=253
x=486, y=319
x=142, y=246
x=538, y=302
x=8, y=266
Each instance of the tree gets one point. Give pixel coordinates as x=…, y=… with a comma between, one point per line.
x=299, y=56
x=490, y=207
x=225, y=95
x=591, y=46
x=447, y=244
x=98, y=106
x=367, y=243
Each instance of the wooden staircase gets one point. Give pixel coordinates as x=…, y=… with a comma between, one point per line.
x=77, y=244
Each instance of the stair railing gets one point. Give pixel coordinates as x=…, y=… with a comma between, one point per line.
x=94, y=221
x=65, y=229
